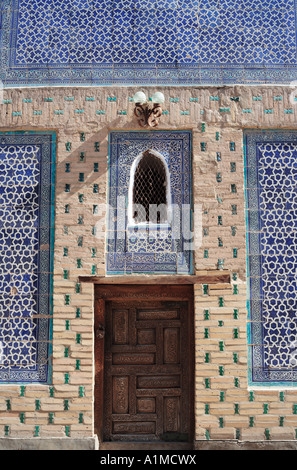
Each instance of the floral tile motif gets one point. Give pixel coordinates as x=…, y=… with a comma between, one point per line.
x=105, y=42
x=26, y=234
x=271, y=170
x=155, y=249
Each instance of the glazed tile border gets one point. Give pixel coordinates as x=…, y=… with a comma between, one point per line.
x=241, y=42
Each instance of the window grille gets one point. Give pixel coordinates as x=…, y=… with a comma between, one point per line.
x=149, y=192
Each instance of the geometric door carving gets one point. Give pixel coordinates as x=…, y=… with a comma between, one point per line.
x=147, y=393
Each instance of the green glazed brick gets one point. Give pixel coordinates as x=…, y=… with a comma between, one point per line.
x=265, y=408
x=205, y=289
x=66, y=404
x=206, y=314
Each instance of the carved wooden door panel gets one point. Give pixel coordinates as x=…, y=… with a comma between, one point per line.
x=146, y=371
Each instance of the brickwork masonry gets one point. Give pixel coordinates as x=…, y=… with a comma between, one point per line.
x=225, y=407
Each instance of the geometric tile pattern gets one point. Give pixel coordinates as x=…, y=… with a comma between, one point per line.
x=26, y=247
x=104, y=42
x=271, y=171
x=163, y=248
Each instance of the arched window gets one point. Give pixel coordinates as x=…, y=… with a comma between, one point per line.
x=149, y=189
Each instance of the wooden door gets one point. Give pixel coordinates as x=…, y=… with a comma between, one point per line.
x=147, y=392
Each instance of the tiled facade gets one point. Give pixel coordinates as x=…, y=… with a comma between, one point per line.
x=229, y=127
x=69, y=141
x=27, y=218
x=270, y=170
x=176, y=42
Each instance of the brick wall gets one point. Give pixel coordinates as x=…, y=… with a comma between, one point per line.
x=82, y=117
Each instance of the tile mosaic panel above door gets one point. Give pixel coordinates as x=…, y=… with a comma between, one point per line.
x=104, y=42
x=271, y=203
x=150, y=248
x=27, y=162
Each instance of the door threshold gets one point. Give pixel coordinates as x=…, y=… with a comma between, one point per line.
x=152, y=445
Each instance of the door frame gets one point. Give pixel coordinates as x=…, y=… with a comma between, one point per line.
x=153, y=291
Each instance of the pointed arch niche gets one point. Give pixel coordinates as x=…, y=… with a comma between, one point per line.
x=149, y=169
x=149, y=196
